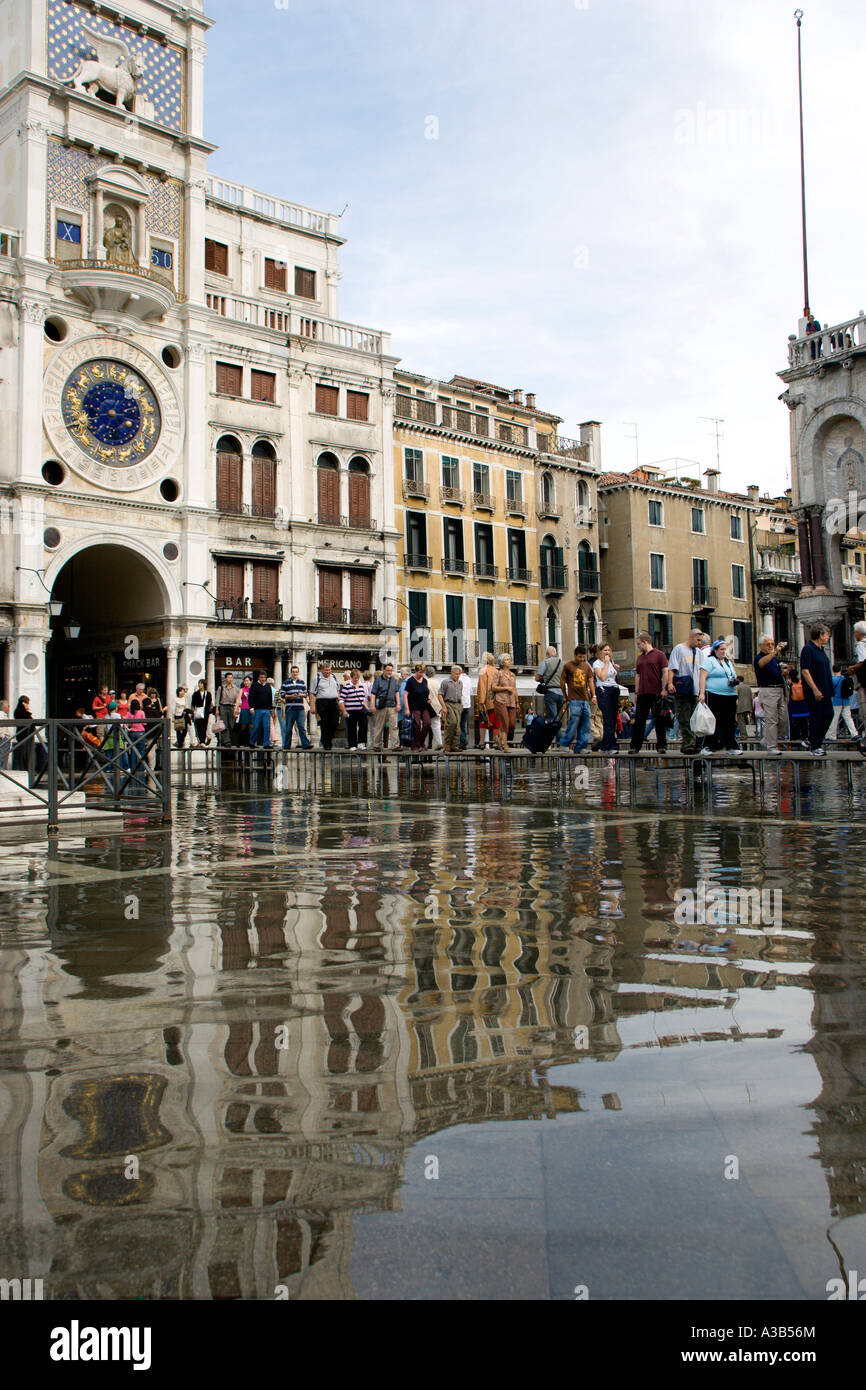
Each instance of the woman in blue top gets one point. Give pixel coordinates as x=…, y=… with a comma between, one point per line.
x=719, y=683
x=842, y=704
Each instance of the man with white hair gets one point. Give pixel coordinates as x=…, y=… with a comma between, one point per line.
x=860, y=674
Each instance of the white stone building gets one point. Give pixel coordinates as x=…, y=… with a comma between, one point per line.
x=194, y=460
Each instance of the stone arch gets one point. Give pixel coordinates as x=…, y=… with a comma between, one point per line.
x=140, y=552
x=821, y=442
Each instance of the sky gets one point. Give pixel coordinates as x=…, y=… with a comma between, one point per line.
x=594, y=200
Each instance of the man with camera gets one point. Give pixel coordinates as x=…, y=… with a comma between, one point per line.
x=770, y=673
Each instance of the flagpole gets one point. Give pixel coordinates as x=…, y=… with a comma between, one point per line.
x=807, y=313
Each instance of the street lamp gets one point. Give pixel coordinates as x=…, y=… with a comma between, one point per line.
x=55, y=606
x=225, y=612
x=72, y=630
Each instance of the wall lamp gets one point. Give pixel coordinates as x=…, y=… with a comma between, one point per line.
x=55, y=606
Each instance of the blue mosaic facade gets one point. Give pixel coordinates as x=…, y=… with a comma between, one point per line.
x=163, y=78
x=67, y=170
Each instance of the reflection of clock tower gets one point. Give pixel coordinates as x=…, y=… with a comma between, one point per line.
x=172, y=370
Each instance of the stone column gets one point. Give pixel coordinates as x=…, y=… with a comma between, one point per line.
x=171, y=681
x=278, y=671
x=210, y=677
x=819, y=560
x=768, y=610
x=804, y=547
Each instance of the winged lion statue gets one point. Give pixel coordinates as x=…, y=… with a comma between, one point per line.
x=116, y=68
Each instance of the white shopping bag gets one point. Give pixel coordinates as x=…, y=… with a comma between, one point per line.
x=703, y=721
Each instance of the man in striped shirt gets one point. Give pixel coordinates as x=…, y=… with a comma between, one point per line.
x=293, y=693
x=353, y=707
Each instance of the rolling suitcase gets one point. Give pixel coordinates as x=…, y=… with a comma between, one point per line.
x=540, y=734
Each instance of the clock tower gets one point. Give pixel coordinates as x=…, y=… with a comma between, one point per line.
x=176, y=387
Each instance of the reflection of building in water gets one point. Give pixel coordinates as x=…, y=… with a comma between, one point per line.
x=839, y=1050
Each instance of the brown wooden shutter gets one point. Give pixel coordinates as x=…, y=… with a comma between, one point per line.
x=229, y=482
x=357, y=405
x=230, y=581
x=265, y=589
x=329, y=496
x=229, y=379
x=330, y=595
x=264, y=487
x=361, y=596
x=216, y=257
x=305, y=283
x=263, y=386
x=359, y=499
x=327, y=400
x=275, y=275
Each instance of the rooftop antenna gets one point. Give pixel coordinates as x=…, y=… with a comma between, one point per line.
x=633, y=425
x=715, y=420
x=807, y=312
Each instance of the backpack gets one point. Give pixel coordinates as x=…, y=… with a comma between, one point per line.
x=846, y=689
x=797, y=690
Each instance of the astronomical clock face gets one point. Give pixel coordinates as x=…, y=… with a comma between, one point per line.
x=112, y=414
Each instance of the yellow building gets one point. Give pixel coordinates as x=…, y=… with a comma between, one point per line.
x=464, y=471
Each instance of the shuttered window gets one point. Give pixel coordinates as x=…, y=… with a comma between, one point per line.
x=216, y=257
x=305, y=283
x=229, y=481
x=230, y=581
x=264, y=486
x=263, y=386
x=361, y=596
x=265, y=589
x=328, y=487
x=327, y=400
x=330, y=593
x=275, y=275
x=229, y=379
x=357, y=405
x=359, y=499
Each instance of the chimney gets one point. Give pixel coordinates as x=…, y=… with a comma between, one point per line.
x=530, y=399
x=518, y=395
x=712, y=477
x=753, y=490
x=590, y=435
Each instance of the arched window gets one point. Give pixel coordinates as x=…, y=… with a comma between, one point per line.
x=581, y=629
x=548, y=493
x=552, y=624
x=582, y=502
x=230, y=475
x=328, y=485
x=359, y=493
x=552, y=564
x=264, y=479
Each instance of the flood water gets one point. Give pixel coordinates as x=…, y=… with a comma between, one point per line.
x=373, y=1042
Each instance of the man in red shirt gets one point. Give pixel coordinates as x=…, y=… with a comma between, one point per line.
x=650, y=680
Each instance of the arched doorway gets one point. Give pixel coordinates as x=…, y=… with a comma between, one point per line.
x=111, y=630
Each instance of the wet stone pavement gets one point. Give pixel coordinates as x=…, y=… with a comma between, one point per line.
x=365, y=1044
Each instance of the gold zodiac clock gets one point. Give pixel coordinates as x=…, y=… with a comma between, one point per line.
x=112, y=413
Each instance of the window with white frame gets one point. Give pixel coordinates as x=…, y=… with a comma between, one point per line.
x=736, y=527
x=656, y=512
x=657, y=571
x=698, y=521
x=738, y=581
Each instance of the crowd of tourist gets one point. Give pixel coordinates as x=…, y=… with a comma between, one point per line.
x=692, y=696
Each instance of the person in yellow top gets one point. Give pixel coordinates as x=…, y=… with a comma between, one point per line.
x=503, y=687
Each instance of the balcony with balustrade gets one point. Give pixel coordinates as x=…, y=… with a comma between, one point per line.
x=484, y=570
x=290, y=321
x=452, y=497
x=414, y=487
x=416, y=560
x=454, y=564
x=347, y=617
x=522, y=653
x=516, y=574
x=775, y=567
x=705, y=598
x=852, y=578
x=828, y=345
x=588, y=583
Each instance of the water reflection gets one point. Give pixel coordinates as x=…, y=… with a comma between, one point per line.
x=270, y=1007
